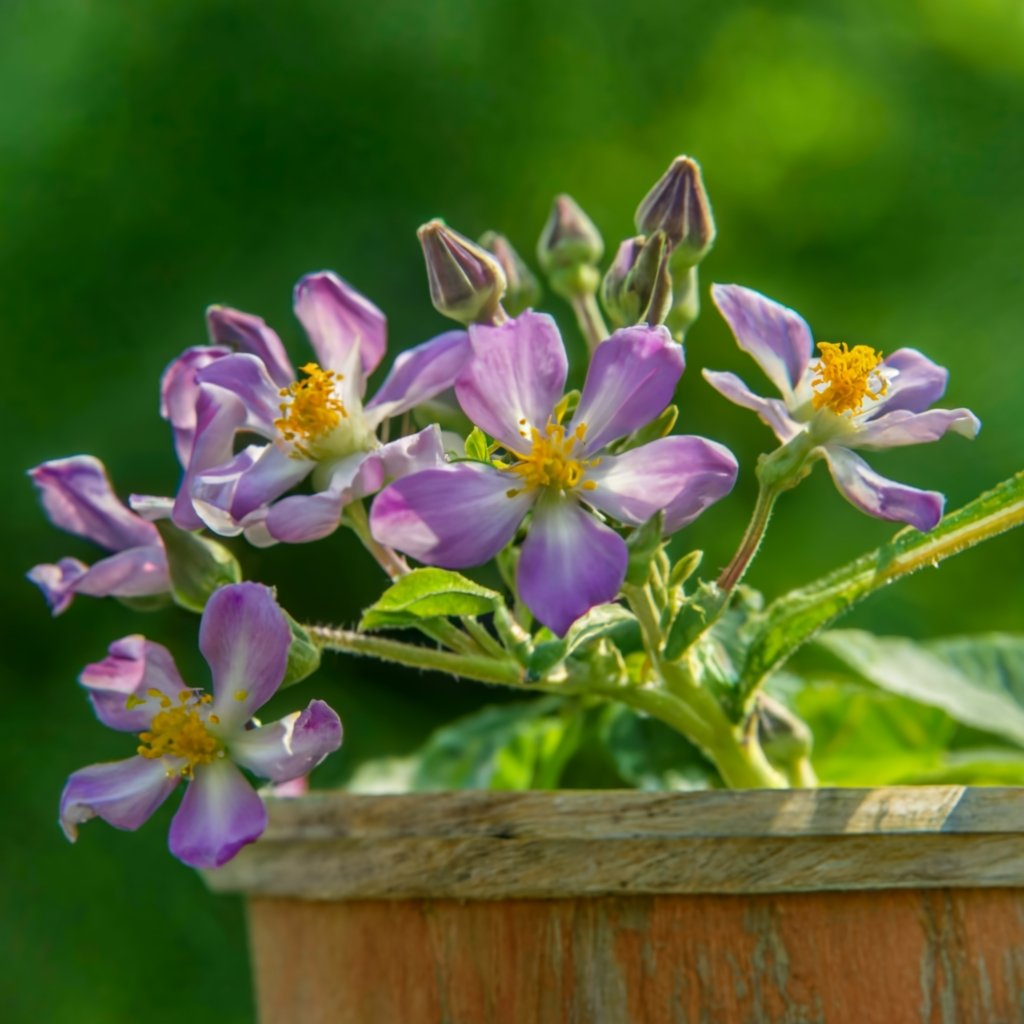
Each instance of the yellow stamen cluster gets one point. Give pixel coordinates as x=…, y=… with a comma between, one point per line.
x=551, y=461
x=178, y=731
x=312, y=409
x=847, y=377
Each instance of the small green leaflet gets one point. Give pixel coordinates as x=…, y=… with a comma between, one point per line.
x=598, y=622
x=428, y=594
x=198, y=565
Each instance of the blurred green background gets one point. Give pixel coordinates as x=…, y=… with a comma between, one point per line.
x=865, y=160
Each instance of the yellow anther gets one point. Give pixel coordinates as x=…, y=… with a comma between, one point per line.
x=312, y=409
x=552, y=460
x=241, y=694
x=180, y=733
x=845, y=378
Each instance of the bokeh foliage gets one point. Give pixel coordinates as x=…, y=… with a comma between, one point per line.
x=864, y=159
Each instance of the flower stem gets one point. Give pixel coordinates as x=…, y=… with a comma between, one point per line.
x=733, y=572
x=588, y=316
x=387, y=558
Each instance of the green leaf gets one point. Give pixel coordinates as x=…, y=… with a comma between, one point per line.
x=428, y=594
x=303, y=655
x=198, y=565
x=604, y=620
x=794, y=618
x=979, y=681
x=477, y=447
x=643, y=545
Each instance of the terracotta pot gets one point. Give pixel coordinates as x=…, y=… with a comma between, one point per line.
x=864, y=906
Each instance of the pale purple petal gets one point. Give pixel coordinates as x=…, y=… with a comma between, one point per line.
x=123, y=793
x=132, y=667
x=632, y=377
x=219, y=416
x=245, y=639
x=456, y=516
x=918, y=383
x=249, y=333
x=219, y=814
x=569, y=563
x=137, y=572
x=290, y=747
x=771, y=411
x=514, y=377
x=246, y=377
x=179, y=390
x=421, y=373
x=57, y=582
x=151, y=507
x=682, y=475
x=336, y=318
x=307, y=517
x=879, y=497
x=77, y=496
x=895, y=429
x=777, y=337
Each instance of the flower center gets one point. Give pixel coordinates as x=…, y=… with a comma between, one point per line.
x=179, y=731
x=311, y=410
x=551, y=461
x=847, y=377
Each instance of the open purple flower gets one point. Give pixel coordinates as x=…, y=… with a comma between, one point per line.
x=846, y=399
x=186, y=734
x=77, y=496
x=314, y=423
x=463, y=514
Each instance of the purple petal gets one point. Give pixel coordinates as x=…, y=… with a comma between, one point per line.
x=77, y=496
x=249, y=333
x=219, y=416
x=632, y=377
x=879, y=497
x=896, y=429
x=137, y=572
x=179, y=391
x=307, y=517
x=247, y=378
x=245, y=639
x=151, y=507
x=514, y=377
x=421, y=373
x=336, y=318
x=133, y=666
x=918, y=384
x=777, y=337
x=771, y=411
x=682, y=475
x=569, y=563
x=456, y=516
x=219, y=814
x=225, y=495
x=123, y=793
x=57, y=582
x=290, y=747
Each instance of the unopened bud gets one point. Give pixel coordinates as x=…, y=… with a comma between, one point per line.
x=523, y=289
x=678, y=205
x=638, y=286
x=569, y=249
x=466, y=282
x=621, y=306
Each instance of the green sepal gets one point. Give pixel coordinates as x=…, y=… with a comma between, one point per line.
x=602, y=621
x=643, y=545
x=659, y=427
x=428, y=594
x=147, y=604
x=685, y=568
x=303, y=655
x=197, y=565
x=478, y=449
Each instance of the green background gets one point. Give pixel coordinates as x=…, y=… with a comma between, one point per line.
x=865, y=161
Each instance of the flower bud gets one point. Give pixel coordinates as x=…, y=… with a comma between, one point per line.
x=523, y=289
x=621, y=306
x=569, y=249
x=678, y=205
x=638, y=287
x=466, y=282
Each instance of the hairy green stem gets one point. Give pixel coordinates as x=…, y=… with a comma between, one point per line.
x=733, y=572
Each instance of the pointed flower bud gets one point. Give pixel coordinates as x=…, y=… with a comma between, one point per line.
x=638, y=286
x=678, y=205
x=523, y=287
x=622, y=306
x=569, y=248
x=466, y=282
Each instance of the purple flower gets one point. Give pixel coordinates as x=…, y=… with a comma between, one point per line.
x=845, y=399
x=463, y=514
x=186, y=734
x=314, y=423
x=77, y=496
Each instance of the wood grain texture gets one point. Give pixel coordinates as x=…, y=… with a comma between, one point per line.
x=933, y=956
x=484, y=845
